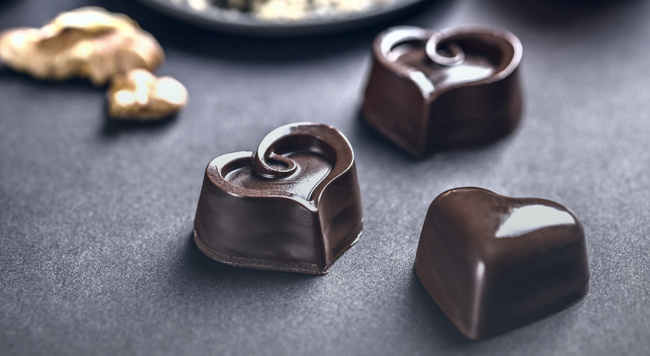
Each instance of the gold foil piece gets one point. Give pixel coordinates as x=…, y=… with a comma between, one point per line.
x=139, y=95
x=88, y=42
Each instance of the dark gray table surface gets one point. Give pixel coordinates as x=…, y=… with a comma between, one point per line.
x=96, y=218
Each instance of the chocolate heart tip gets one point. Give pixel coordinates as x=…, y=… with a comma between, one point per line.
x=433, y=92
x=293, y=205
x=494, y=264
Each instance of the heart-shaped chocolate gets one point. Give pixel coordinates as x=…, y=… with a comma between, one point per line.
x=293, y=205
x=494, y=263
x=437, y=91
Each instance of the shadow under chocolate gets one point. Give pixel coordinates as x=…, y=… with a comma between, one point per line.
x=196, y=270
x=370, y=137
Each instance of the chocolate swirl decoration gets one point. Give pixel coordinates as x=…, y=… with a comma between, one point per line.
x=433, y=45
x=313, y=137
x=292, y=205
x=264, y=169
x=395, y=36
x=265, y=154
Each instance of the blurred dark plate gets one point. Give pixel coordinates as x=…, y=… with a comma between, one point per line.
x=232, y=21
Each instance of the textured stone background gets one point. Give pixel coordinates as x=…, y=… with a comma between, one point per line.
x=96, y=218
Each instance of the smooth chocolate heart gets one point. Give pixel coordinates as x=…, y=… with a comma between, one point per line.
x=293, y=205
x=494, y=263
x=437, y=91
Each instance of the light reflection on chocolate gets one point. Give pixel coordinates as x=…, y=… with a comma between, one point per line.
x=526, y=219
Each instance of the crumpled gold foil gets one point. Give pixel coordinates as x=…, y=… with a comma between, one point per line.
x=139, y=95
x=88, y=42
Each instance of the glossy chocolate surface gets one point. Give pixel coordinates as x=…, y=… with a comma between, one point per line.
x=437, y=91
x=293, y=205
x=494, y=263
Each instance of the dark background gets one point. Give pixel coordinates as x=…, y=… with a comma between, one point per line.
x=96, y=217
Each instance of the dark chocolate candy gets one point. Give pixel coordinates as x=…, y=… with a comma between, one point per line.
x=494, y=263
x=438, y=91
x=293, y=205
